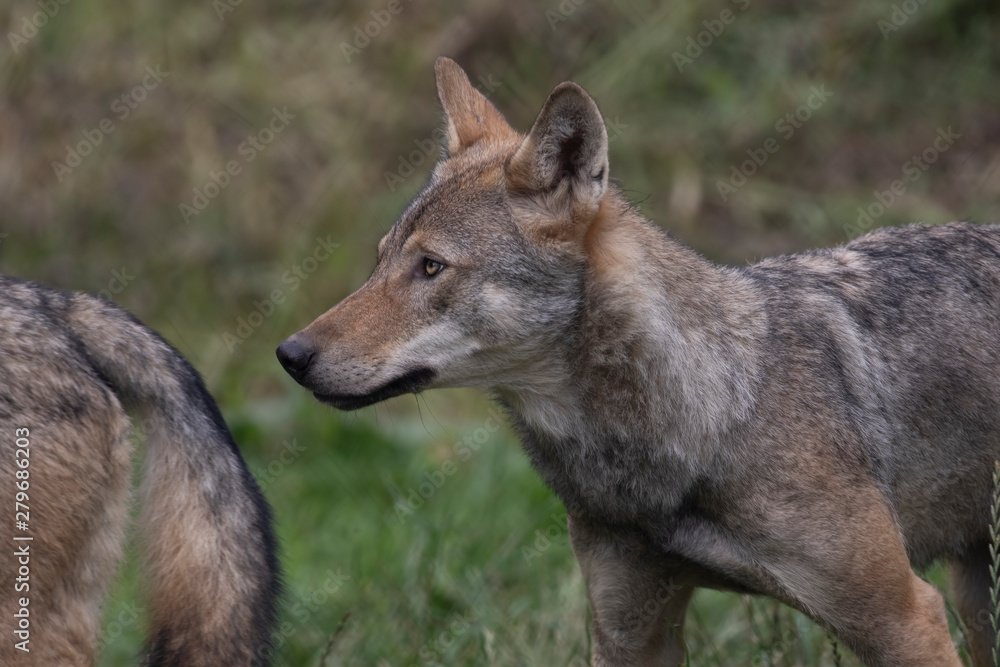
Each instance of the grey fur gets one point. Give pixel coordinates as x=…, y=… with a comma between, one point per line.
x=807, y=428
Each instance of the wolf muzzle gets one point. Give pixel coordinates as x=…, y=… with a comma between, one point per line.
x=296, y=355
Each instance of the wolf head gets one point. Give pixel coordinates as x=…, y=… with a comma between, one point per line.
x=479, y=282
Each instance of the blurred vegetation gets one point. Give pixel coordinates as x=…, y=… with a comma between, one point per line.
x=462, y=580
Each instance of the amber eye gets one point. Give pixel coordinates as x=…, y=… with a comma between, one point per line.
x=432, y=268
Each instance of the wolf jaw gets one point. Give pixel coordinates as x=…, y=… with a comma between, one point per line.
x=409, y=383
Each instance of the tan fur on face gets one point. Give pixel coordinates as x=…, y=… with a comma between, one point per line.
x=360, y=335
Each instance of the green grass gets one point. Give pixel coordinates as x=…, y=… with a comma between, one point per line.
x=459, y=559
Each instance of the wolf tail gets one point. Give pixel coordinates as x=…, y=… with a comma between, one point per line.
x=209, y=549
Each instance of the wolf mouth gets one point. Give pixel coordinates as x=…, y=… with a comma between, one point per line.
x=409, y=382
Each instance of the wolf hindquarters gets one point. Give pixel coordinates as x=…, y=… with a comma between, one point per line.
x=76, y=487
x=69, y=363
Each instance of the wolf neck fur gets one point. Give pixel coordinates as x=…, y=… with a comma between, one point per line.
x=665, y=351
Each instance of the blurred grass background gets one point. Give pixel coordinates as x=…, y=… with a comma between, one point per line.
x=465, y=578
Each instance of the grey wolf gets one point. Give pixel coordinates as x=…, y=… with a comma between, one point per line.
x=813, y=427
x=70, y=365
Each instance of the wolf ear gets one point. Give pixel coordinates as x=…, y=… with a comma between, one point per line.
x=468, y=114
x=566, y=153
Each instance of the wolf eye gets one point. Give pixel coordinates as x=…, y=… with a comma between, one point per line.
x=432, y=268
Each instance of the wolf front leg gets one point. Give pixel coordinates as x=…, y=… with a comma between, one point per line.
x=637, y=608
x=971, y=581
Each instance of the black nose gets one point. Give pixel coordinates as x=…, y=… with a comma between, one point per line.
x=295, y=356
